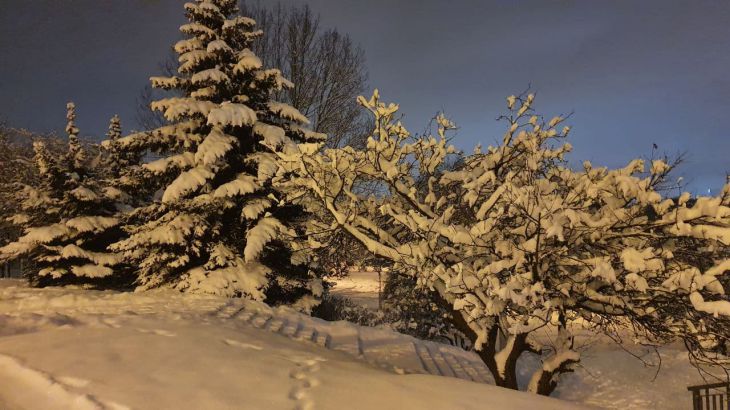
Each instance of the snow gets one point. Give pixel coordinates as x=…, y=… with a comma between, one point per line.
x=188, y=44
x=267, y=165
x=238, y=21
x=272, y=135
x=255, y=207
x=92, y=223
x=175, y=108
x=84, y=194
x=242, y=185
x=34, y=236
x=197, y=29
x=717, y=307
x=288, y=112
x=214, y=147
x=247, y=60
x=216, y=46
x=92, y=271
x=275, y=75
x=166, y=82
x=163, y=232
x=608, y=376
x=261, y=234
x=190, y=59
x=186, y=183
x=637, y=261
x=211, y=75
x=244, y=278
x=64, y=348
x=72, y=251
x=182, y=161
x=30, y=381
x=231, y=114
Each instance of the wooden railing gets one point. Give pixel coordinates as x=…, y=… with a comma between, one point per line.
x=710, y=396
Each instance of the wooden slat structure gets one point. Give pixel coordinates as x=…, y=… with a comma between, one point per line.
x=12, y=269
x=713, y=396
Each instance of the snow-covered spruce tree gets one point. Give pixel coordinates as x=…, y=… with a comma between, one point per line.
x=68, y=219
x=515, y=241
x=116, y=159
x=215, y=225
x=76, y=156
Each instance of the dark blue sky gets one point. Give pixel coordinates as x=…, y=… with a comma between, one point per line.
x=634, y=72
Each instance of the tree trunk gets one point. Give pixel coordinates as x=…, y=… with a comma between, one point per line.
x=508, y=376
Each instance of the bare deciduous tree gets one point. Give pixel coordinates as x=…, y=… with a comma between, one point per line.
x=144, y=116
x=326, y=67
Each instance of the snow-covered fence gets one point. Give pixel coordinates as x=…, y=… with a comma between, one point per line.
x=710, y=396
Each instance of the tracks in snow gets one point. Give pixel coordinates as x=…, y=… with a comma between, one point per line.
x=379, y=347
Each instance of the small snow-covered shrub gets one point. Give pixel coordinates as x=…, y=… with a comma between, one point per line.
x=334, y=308
x=416, y=311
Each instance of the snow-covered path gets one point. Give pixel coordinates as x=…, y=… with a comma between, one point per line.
x=63, y=348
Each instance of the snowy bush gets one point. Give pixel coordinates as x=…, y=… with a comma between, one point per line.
x=514, y=240
x=416, y=311
x=335, y=308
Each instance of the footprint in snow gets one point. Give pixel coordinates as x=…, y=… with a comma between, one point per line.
x=304, y=380
x=236, y=343
x=158, y=332
x=111, y=323
x=73, y=381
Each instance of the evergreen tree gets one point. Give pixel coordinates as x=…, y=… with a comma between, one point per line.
x=116, y=158
x=68, y=219
x=212, y=222
x=115, y=128
x=76, y=154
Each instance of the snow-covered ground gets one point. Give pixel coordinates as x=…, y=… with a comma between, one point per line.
x=67, y=348
x=77, y=349
x=608, y=377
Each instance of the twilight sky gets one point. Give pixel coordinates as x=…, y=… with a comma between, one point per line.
x=633, y=72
